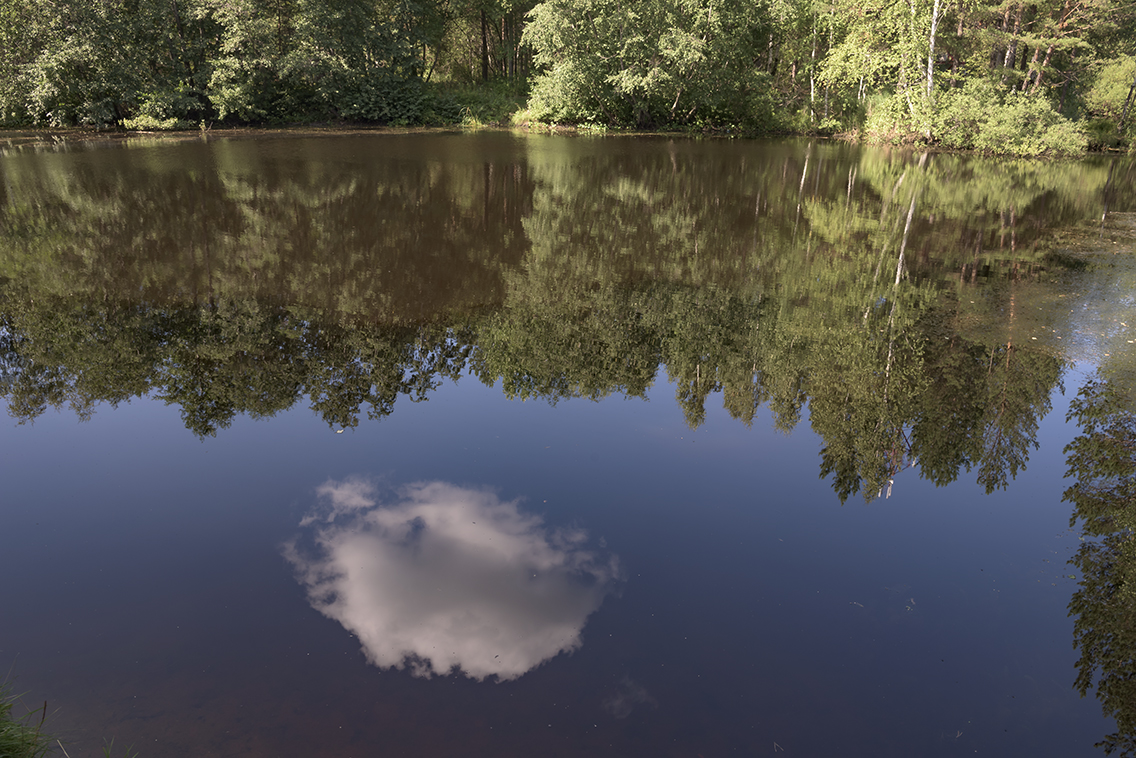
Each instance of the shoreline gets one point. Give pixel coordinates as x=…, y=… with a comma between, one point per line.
x=19, y=138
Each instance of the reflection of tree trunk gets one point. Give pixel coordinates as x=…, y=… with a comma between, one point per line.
x=1009, y=353
x=895, y=294
x=903, y=244
x=487, y=177
x=883, y=249
x=801, y=194
x=1107, y=194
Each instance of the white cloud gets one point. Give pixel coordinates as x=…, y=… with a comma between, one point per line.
x=353, y=494
x=449, y=577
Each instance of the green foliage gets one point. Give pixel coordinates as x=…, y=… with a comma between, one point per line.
x=20, y=736
x=888, y=119
x=1102, y=459
x=146, y=123
x=964, y=111
x=648, y=64
x=1111, y=87
x=983, y=116
x=493, y=104
x=696, y=65
x=1027, y=125
x=308, y=60
x=1105, y=101
x=83, y=63
x=774, y=277
x=153, y=63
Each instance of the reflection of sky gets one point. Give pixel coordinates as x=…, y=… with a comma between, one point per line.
x=449, y=577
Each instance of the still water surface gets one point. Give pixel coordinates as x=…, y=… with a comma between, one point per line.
x=514, y=445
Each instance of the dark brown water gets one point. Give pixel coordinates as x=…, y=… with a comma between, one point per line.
x=513, y=445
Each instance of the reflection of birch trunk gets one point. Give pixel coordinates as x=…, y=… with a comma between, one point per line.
x=894, y=190
x=1108, y=184
x=895, y=294
x=896, y=462
x=883, y=250
x=801, y=194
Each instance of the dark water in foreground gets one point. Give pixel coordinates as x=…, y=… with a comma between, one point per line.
x=500, y=445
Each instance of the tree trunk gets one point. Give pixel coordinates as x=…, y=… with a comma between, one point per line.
x=484, y=48
x=996, y=52
x=1012, y=50
x=1044, y=66
x=1032, y=69
x=1065, y=11
x=931, y=52
x=1127, y=103
x=812, y=76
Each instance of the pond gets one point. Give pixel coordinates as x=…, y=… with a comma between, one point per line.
x=502, y=444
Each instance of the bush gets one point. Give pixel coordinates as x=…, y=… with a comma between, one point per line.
x=962, y=112
x=1027, y=125
x=649, y=65
x=981, y=116
x=1109, y=90
x=1102, y=133
x=151, y=124
x=888, y=119
x=399, y=102
x=166, y=110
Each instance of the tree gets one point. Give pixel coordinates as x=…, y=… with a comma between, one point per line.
x=649, y=63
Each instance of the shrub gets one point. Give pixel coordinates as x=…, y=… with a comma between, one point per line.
x=1027, y=125
x=962, y=112
x=1113, y=81
x=888, y=119
x=981, y=116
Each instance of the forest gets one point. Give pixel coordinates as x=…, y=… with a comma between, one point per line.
x=999, y=76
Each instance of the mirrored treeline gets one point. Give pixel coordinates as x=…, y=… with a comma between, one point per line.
x=883, y=289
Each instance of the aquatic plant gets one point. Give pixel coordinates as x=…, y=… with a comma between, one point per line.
x=20, y=736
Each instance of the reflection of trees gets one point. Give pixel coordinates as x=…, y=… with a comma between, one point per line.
x=217, y=361
x=1103, y=461
x=320, y=223
x=881, y=397
x=773, y=276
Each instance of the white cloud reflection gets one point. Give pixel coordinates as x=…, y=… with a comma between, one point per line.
x=449, y=577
